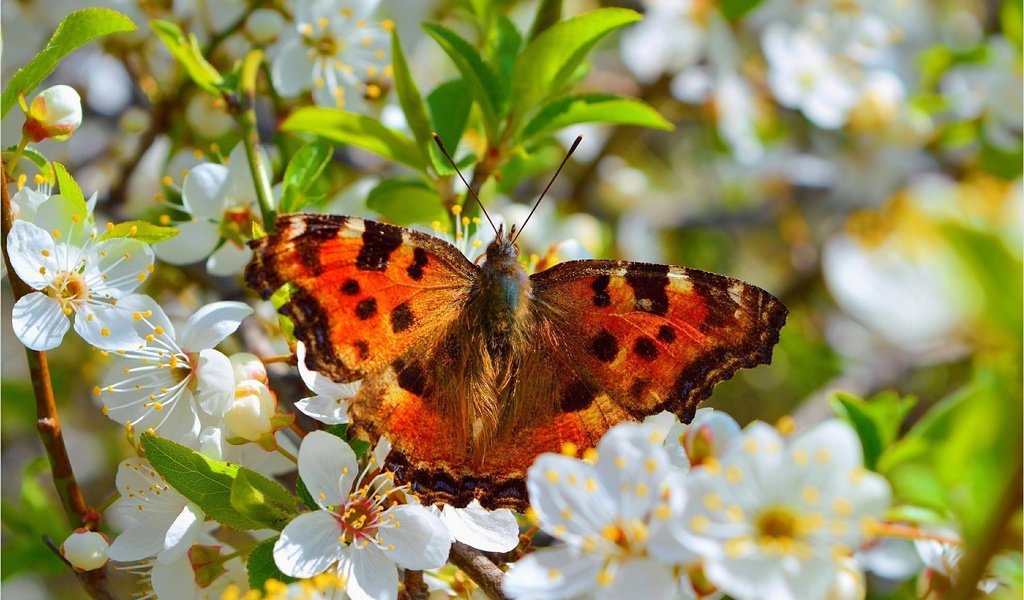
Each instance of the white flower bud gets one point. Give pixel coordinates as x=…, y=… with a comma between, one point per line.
x=248, y=366
x=249, y=415
x=264, y=25
x=85, y=550
x=54, y=113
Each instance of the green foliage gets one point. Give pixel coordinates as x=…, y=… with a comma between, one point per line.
x=734, y=10
x=76, y=30
x=410, y=100
x=261, y=566
x=27, y=521
x=548, y=60
x=356, y=130
x=306, y=165
x=592, y=108
x=405, y=201
x=143, y=231
x=358, y=446
x=186, y=50
x=480, y=80
x=216, y=487
x=549, y=12
x=876, y=420
x=450, y=104
x=68, y=187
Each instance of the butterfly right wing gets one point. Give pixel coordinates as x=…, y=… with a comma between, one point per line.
x=363, y=294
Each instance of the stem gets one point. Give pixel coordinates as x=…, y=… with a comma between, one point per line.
x=481, y=570
x=246, y=118
x=15, y=158
x=110, y=502
x=47, y=421
x=415, y=587
x=287, y=455
x=910, y=532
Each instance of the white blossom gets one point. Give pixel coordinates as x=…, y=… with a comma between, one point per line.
x=330, y=404
x=359, y=531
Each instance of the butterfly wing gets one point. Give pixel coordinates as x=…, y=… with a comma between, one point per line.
x=641, y=338
x=362, y=293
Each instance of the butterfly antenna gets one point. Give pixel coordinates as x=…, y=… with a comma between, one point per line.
x=440, y=144
x=572, y=149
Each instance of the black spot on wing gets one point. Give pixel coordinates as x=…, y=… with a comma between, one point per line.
x=410, y=377
x=366, y=308
x=645, y=348
x=649, y=289
x=350, y=287
x=714, y=292
x=604, y=346
x=363, y=348
x=576, y=397
x=308, y=245
x=419, y=260
x=312, y=328
x=666, y=334
x=379, y=241
x=600, y=286
x=402, y=318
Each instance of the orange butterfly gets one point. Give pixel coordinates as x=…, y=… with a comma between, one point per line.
x=472, y=371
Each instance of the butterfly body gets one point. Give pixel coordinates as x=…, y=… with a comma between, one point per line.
x=473, y=370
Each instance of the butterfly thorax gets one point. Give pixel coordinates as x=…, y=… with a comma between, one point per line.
x=501, y=295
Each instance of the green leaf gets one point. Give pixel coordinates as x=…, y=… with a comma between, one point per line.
x=508, y=43
x=302, y=171
x=76, y=30
x=734, y=10
x=260, y=566
x=549, y=60
x=303, y=493
x=202, y=480
x=187, y=52
x=67, y=186
x=592, y=108
x=876, y=420
x=143, y=231
x=986, y=260
x=356, y=130
x=549, y=12
x=262, y=499
x=405, y=201
x=359, y=447
x=449, y=104
x=410, y=99
x=481, y=82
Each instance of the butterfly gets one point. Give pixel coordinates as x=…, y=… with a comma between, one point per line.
x=473, y=370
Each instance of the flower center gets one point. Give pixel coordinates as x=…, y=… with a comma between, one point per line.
x=629, y=536
x=327, y=45
x=236, y=226
x=360, y=519
x=777, y=523
x=68, y=287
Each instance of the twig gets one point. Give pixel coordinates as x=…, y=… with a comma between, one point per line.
x=415, y=587
x=481, y=570
x=47, y=421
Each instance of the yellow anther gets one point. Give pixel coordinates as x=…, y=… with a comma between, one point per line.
x=387, y=25
x=699, y=523
x=42, y=270
x=733, y=474
x=110, y=226
x=104, y=332
x=552, y=476
x=569, y=449
x=372, y=91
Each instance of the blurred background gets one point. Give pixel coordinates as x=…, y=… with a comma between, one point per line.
x=860, y=159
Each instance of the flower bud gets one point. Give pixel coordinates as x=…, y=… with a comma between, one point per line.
x=248, y=366
x=249, y=415
x=54, y=113
x=264, y=25
x=85, y=550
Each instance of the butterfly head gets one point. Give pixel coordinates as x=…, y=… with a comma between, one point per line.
x=503, y=249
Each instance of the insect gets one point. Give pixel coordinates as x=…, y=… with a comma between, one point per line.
x=471, y=371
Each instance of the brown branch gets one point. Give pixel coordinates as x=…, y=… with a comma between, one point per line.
x=415, y=587
x=479, y=568
x=47, y=421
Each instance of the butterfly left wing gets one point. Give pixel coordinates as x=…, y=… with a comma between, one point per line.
x=641, y=338
x=363, y=293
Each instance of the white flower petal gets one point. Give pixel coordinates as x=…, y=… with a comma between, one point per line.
x=308, y=545
x=211, y=324
x=371, y=576
x=241, y=189
x=117, y=267
x=142, y=540
x=39, y=322
x=203, y=191
x=195, y=242
x=555, y=573
x=654, y=578
x=487, y=530
x=141, y=303
x=182, y=533
x=631, y=466
x=420, y=541
x=216, y=382
x=556, y=483
x=324, y=409
x=174, y=580
x=327, y=466
x=33, y=254
x=106, y=327
x=71, y=220
x=228, y=260
x=319, y=384
x=292, y=70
